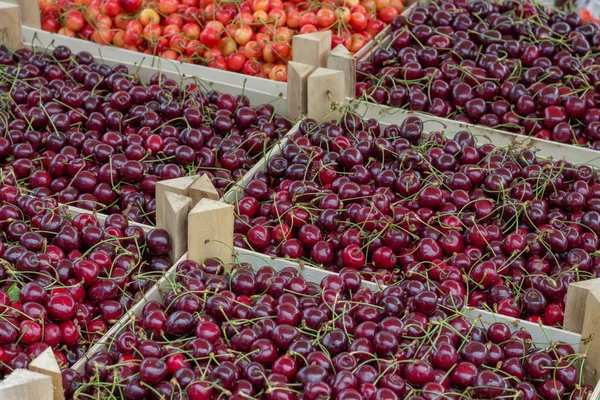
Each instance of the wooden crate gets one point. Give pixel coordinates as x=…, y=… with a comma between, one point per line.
x=540, y=335
x=31, y=386
x=176, y=224
x=39, y=38
x=499, y=137
x=307, y=44
x=26, y=385
x=545, y=148
x=258, y=90
x=585, y=316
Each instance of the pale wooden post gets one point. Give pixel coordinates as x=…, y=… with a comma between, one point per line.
x=591, y=323
x=177, y=186
x=325, y=87
x=10, y=25
x=176, y=212
x=203, y=188
x=297, y=100
x=340, y=59
x=210, y=231
x=46, y=364
x=575, y=309
x=22, y=384
x=30, y=13
x=312, y=48
x=174, y=200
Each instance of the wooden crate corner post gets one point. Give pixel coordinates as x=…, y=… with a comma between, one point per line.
x=178, y=186
x=10, y=25
x=312, y=48
x=174, y=200
x=591, y=322
x=176, y=211
x=22, y=384
x=575, y=308
x=325, y=87
x=340, y=59
x=30, y=12
x=46, y=364
x=203, y=188
x=210, y=231
x=297, y=101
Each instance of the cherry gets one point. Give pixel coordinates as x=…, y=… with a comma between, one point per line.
x=420, y=373
x=199, y=391
x=536, y=365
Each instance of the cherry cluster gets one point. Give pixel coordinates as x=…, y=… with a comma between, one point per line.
x=515, y=66
x=500, y=227
x=272, y=335
x=64, y=281
x=98, y=137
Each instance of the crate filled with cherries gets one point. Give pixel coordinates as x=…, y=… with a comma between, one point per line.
x=64, y=280
x=252, y=37
x=499, y=228
x=516, y=66
x=98, y=137
x=262, y=334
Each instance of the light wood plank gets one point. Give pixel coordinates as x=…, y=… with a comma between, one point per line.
x=22, y=384
x=575, y=309
x=176, y=212
x=220, y=80
x=46, y=364
x=30, y=13
x=326, y=89
x=297, y=88
x=340, y=59
x=203, y=188
x=312, y=48
x=210, y=231
x=10, y=25
x=179, y=186
x=590, y=328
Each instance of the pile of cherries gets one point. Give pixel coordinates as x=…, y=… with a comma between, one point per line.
x=272, y=335
x=99, y=138
x=65, y=281
x=513, y=65
x=498, y=227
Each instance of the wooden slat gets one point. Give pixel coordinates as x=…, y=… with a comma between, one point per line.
x=326, y=88
x=575, y=309
x=217, y=77
x=46, y=364
x=10, y=25
x=311, y=274
x=312, y=48
x=74, y=211
x=179, y=186
x=258, y=90
x=590, y=327
x=22, y=384
x=545, y=148
x=203, y=188
x=30, y=13
x=340, y=59
x=134, y=311
x=210, y=231
x=297, y=101
x=315, y=275
x=234, y=192
x=176, y=213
